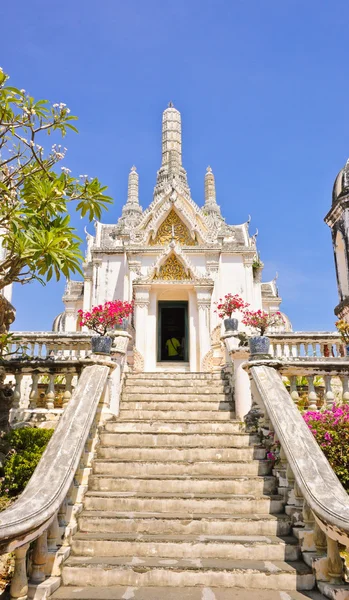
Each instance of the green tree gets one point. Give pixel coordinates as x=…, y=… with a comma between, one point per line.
x=37, y=237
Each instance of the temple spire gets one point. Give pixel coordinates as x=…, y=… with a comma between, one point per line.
x=171, y=164
x=171, y=137
x=132, y=191
x=132, y=209
x=210, y=192
x=210, y=187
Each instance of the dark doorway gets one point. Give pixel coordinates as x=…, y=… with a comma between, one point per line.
x=173, y=343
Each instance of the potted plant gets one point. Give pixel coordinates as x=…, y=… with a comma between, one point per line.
x=343, y=330
x=260, y=320
x=103, y=319
x=226, y=307
x=257, y=267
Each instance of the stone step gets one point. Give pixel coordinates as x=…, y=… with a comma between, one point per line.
x=183, y=454
x=181, y=469
x=173, y=405
x=245, y=547
x=171, y=593
x=185, y=524
x=138, y=572
x=173, y=427
x=229, y=485
x=201, y=503
x=175, y=376
x=166, y=401
x=185, y=390
x=179, y=415
x=186, y=383
x=178, y=440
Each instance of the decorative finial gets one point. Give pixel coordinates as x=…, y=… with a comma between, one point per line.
x=133, y=168
x=209, y=170
x=170, y=105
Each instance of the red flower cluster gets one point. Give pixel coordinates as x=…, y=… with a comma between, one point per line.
x=261, y=320
x=106, y=316
x=229, y=305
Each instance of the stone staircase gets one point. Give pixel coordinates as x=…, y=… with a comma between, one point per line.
x=182, y=497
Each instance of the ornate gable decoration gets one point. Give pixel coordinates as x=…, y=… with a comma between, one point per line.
x=173, y=228
x=172, y=269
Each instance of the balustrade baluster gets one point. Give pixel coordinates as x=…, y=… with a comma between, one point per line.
x=320, y=541
x=298, y=495
x=313, y=349
x=17, y=391
x=329, y=395
x=345, y=384
x=299, y=350
x=34, y=392
x=50, y=394
x=308, y=517
x=53, y=535
x=335, y=563
x=19, y=583
x=62, y=512
x=294, y=350
x=293, y=389
x=312, y=396
x=68, y=390
x=290, y=476
x=39, y=559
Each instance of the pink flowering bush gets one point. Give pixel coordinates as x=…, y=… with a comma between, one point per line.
x=331, y=430
x=106, y=317
x=230, y=304
x=261, y=320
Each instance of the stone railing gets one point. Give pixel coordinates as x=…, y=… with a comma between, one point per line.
x=58, y=346
x=307, y=344
x=43, y=368
x=317, y=383
x=39, y=525
x=313, y=495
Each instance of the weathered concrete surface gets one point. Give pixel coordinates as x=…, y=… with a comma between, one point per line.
x=318, y=483
x=186, y=593
x=48, y=487
x=184, y=503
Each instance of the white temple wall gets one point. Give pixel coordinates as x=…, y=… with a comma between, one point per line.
x=109, y=279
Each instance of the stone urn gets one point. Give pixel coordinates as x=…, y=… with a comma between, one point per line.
x=101, y=344
x=259, y=346
x=231, y=324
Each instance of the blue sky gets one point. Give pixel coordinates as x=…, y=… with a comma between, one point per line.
x=263, y=90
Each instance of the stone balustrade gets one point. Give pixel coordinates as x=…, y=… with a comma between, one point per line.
x=43, y=345
x=304, y=345
x=314, y=497
x=317, y=383
x=38, y=527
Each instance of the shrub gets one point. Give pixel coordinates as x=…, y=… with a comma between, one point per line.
x=26, y=448
x=331, y=430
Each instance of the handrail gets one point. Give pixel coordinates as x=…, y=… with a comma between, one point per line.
x=37, y=506
x=319, y=485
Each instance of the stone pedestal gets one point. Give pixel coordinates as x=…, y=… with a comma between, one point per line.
x=242, y=387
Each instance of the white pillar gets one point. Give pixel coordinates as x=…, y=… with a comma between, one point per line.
x=203, y=295
x=142, y=300
x=242, y=385
x=193, y=328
